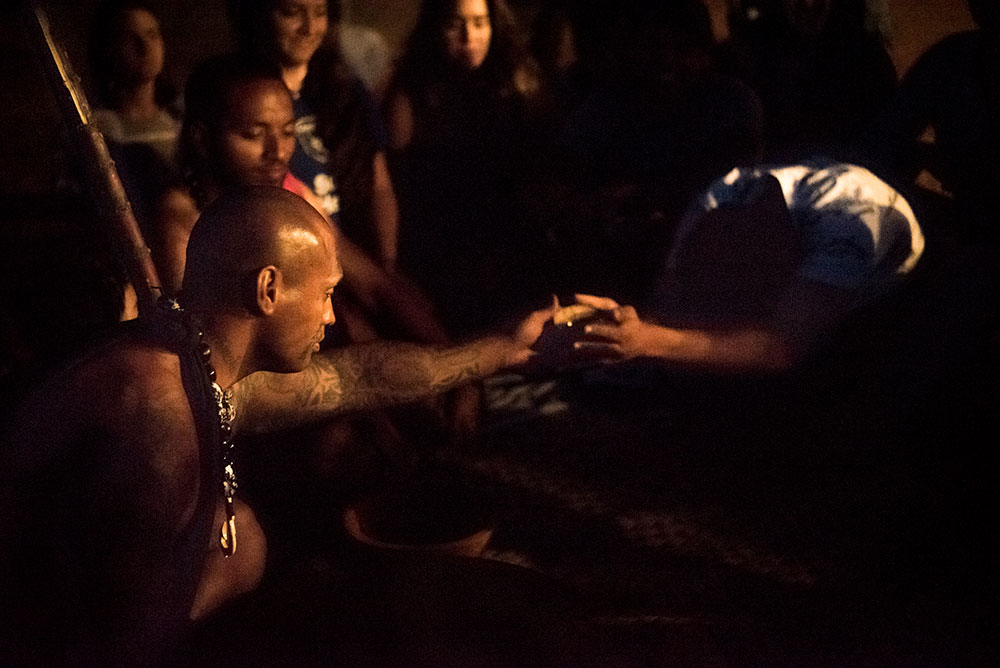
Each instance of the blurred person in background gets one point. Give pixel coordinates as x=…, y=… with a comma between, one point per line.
x=461, y=131
x=660, y=124
x=821, y=75
x=135, y=106
x=953, y=90
x=340, y=140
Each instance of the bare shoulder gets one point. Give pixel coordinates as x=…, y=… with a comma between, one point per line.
x=399, y=119
x=124, y=408
x=176, y=204
x=110, y=385
x=151, y=430
x=128, y=377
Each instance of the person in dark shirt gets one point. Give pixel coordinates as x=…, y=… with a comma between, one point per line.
x=459, y=114
x=821, y=76
x=953, y=90
x=136, y=106
x=340, y=151
x=658, y=128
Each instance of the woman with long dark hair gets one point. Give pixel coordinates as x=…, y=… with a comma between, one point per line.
x=134, y=104
x=459, y=114
x=133, y=99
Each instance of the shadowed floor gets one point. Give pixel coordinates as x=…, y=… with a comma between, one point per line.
x=839, y=517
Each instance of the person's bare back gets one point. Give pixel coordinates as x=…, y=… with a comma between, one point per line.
x=116, y=562
x=115, y=479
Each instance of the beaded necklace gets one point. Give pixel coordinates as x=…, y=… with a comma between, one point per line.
x=227, y=413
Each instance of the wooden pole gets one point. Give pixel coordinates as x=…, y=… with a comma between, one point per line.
x=99, y=172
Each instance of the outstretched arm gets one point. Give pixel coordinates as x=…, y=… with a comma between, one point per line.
x=373, y=375
x=629, y=337
x=807, y=310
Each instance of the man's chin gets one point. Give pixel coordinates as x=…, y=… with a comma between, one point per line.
x=308, y=357
x=293, y=366
x=306, y=360
x=262, y=178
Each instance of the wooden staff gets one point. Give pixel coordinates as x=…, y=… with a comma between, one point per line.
x=99, y=172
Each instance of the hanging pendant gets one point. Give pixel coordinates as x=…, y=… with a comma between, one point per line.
x=227, y=535
x=227, y=413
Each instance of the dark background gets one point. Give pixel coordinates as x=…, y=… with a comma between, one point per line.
x=30, y=141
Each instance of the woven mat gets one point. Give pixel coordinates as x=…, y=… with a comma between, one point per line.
x=681, y=537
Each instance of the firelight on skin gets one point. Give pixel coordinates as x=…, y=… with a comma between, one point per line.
x=259, y=134
x=299, y=29
x=468, y=33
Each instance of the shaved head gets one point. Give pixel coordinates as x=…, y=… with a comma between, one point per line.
x=245, y=230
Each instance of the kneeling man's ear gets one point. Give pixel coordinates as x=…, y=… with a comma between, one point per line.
x=267, y=286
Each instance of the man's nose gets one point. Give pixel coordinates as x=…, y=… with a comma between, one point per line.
x=270, y=146
x=139, y=45
x=275, y=148
x=283, y=149
x=308, y=25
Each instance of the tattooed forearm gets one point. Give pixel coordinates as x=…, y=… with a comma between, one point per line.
x=363, y=376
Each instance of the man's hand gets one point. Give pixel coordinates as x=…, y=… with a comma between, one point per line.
x=626, y=338
x=746, y=348
x=527, y=332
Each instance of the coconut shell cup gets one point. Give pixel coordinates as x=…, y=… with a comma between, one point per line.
x=555, y=345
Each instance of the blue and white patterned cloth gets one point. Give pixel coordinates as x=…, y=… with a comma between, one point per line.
x=857, y=232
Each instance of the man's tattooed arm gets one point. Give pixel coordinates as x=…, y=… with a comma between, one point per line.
x=374, y=375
